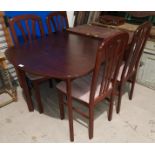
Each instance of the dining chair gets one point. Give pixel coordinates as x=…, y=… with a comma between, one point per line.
x=57, y=21
x=27, y=25
x=100, y=83
x=128, y=69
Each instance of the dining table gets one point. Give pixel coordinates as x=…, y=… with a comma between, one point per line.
x=60, y=55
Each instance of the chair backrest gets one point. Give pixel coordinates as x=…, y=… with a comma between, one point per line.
x=27, y=26
x=108, y=61
x=139, y=39
x=57, y=20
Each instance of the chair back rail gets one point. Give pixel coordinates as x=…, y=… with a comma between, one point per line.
x=58, y=20
x=139, y=39
x=108, y=61
x=29, y=33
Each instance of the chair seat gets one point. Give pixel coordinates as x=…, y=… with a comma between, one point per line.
x=81, y=88
x=33, y=76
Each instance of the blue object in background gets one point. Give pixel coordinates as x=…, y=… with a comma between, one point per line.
x=42, y=14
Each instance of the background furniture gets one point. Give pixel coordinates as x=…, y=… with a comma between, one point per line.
x=5, y=42
x=6, y=79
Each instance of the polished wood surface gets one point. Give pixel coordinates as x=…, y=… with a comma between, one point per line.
x=60, y=55
x=98, y=31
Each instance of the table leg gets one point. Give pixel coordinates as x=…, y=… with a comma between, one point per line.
x=69, y=106
x=25, y=88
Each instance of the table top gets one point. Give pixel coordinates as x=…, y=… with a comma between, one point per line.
x=60, y=55
x=98, y=31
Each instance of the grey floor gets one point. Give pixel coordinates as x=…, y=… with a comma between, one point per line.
x=135, y=123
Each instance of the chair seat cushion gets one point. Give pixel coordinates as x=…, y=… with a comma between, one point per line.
x=33, y=77
x=80, y=88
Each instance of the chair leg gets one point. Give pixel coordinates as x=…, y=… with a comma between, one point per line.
x=26, y=90
x=50, y=83
x=132, y=87
x=91, y=122
x=19, y=77
x=111, y=108
x=119, y=99
x=70, y=111
x=38, y=97
x=61, y=105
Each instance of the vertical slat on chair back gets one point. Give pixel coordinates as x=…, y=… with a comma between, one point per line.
x=108, y=61
x=139, y=39
x=58, y=20
x=27, y=25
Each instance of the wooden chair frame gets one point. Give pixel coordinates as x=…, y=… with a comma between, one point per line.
x=25, y=18
x=61, y=26
x=109, y=55
x=29, y=38
x=132, y=63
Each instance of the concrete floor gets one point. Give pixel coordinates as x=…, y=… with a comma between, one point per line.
x=135, y=123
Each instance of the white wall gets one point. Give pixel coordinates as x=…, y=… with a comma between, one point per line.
x=71, y=18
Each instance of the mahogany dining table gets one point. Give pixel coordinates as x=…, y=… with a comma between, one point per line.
x=60, y=55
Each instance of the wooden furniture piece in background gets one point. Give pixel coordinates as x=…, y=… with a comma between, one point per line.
x=58, y=20
x=62, y=55
x=139, y=15
x=111, y=20
x=5, y=42
x=6, y=33
x=7, y=86
x=81, y=17
x=5, y=76
x=129, y=69
x=92, y=89
x=28, y=36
